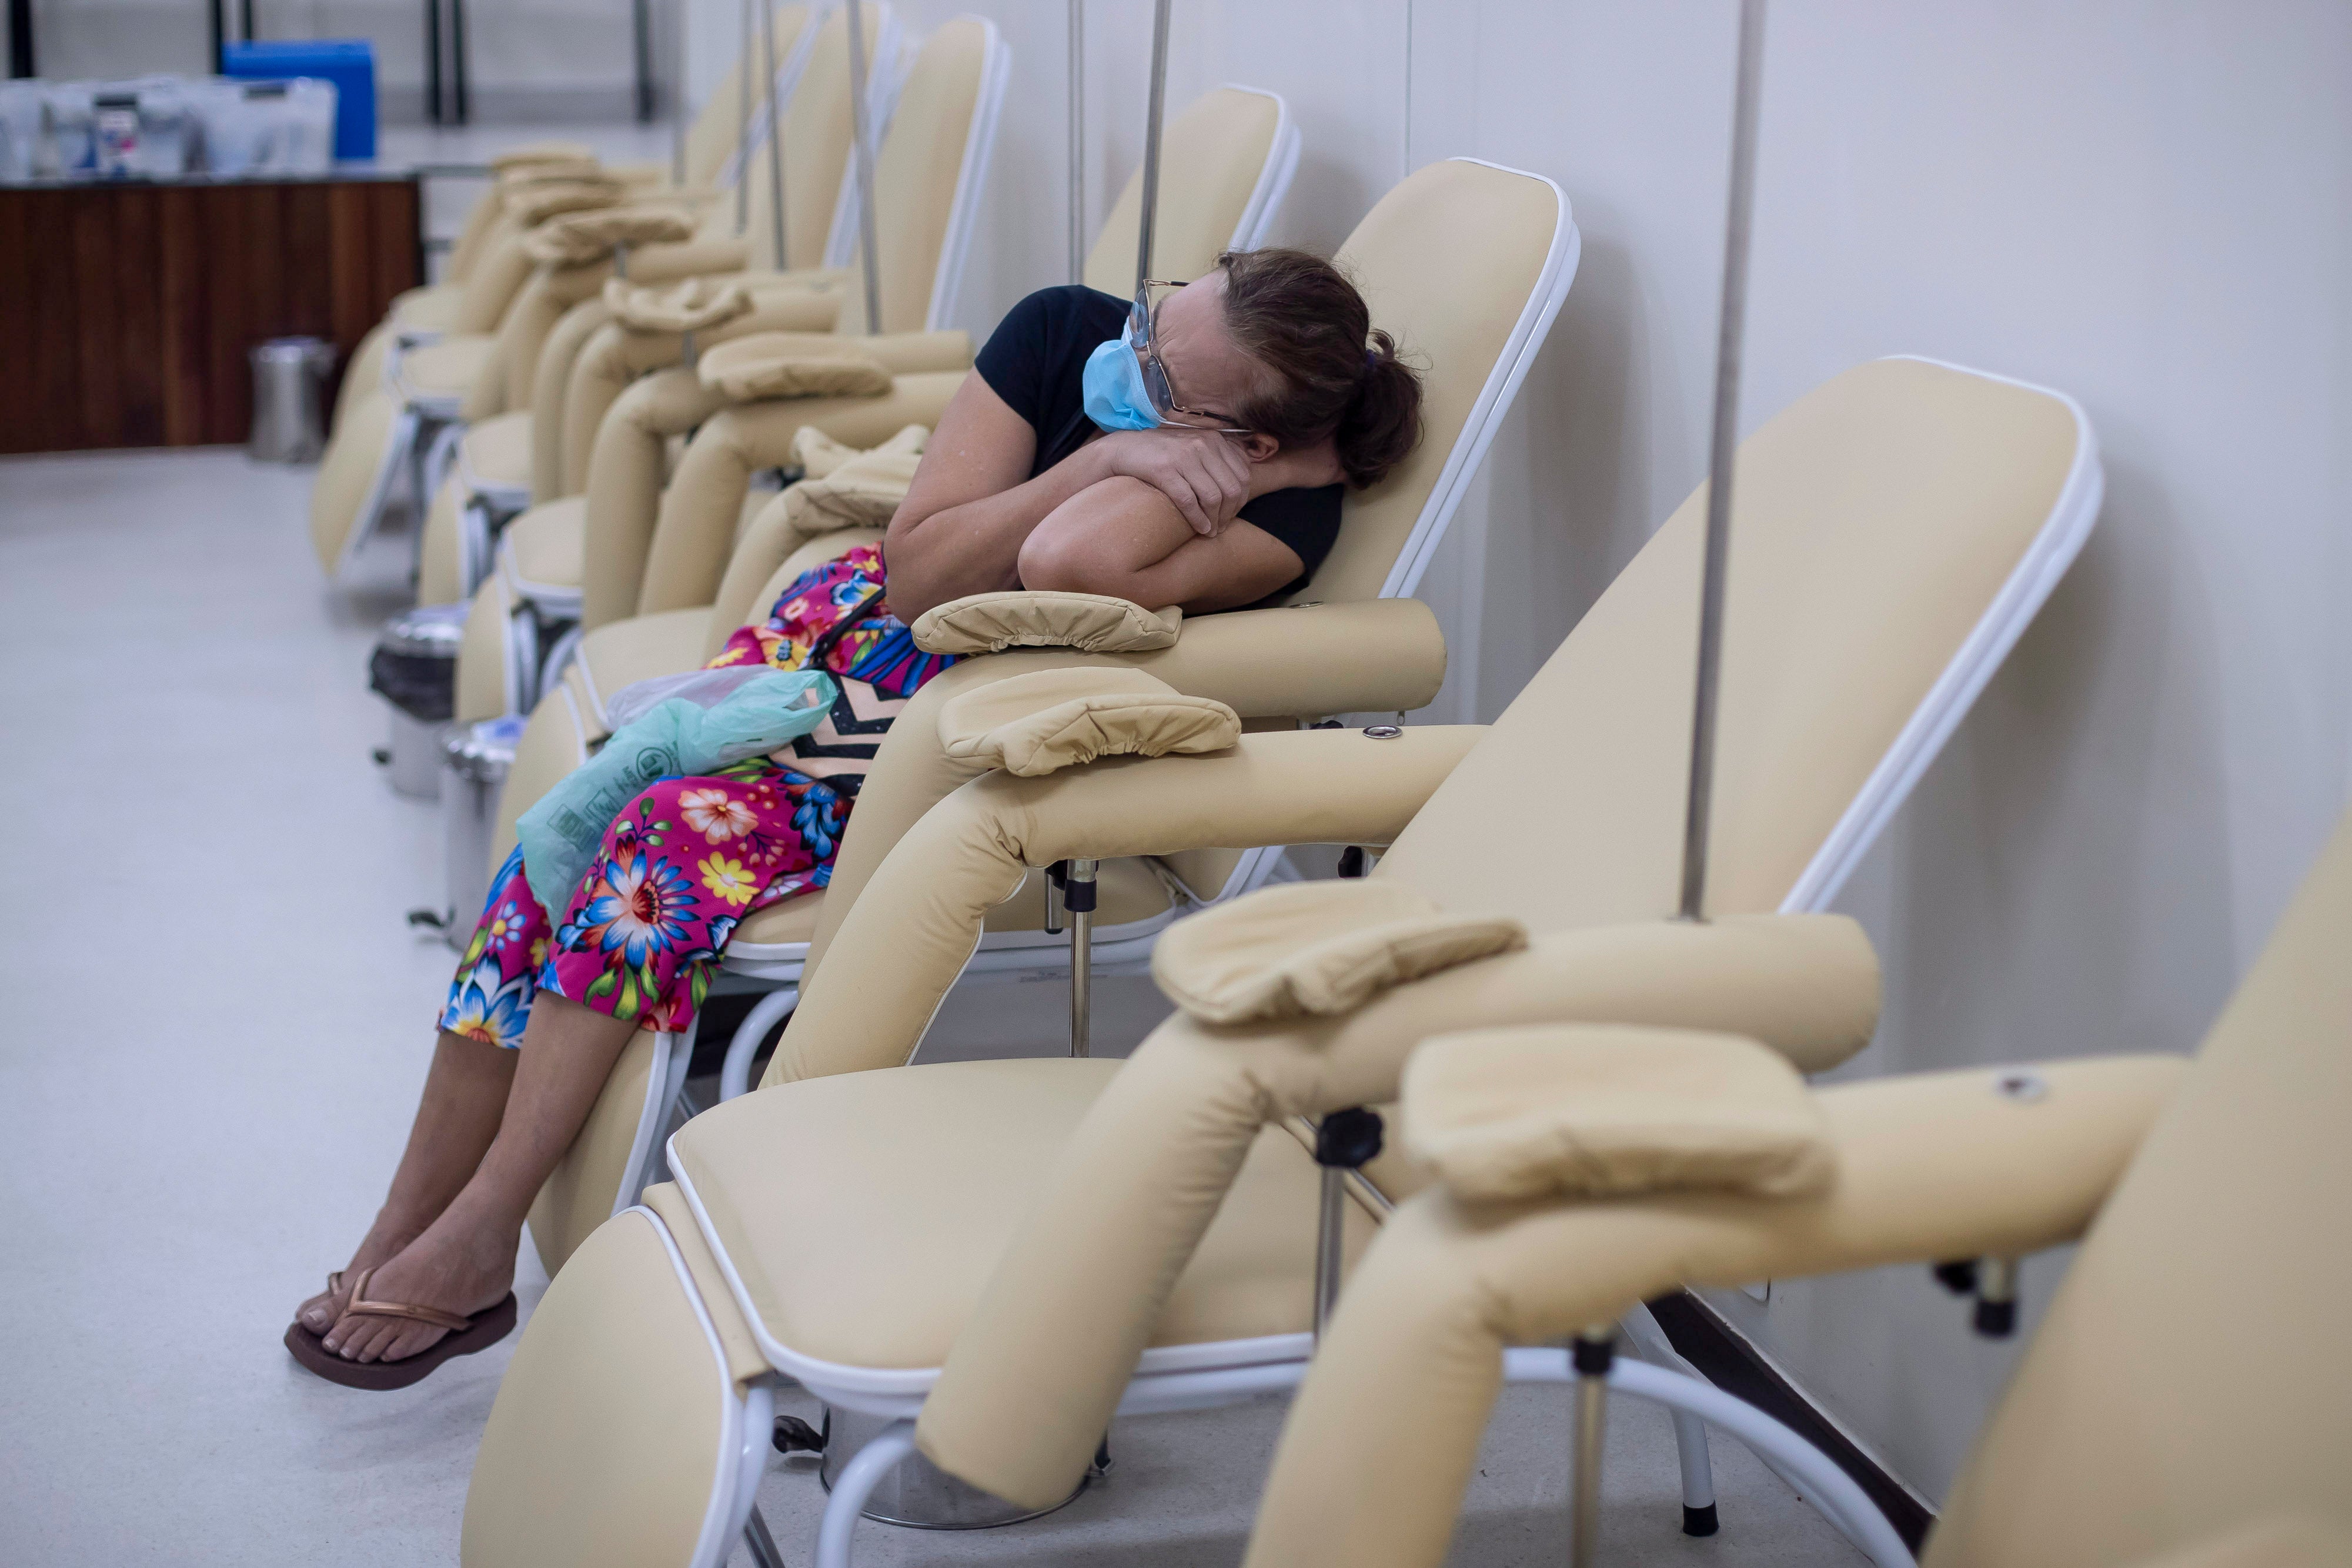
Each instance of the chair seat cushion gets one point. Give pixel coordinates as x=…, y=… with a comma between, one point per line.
x=546, y=547
x=445, y=367
x=496, y=452
x=879, y=1263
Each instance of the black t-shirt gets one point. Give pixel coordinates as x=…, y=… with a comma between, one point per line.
x=1036, y=361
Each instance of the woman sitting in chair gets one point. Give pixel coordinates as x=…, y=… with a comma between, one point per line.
x=1188, y=453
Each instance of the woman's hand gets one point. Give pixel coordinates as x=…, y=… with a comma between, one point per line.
x=1206, y=476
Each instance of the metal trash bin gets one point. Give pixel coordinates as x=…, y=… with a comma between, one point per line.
x=476, y=758
x=289, y=399
x=414, y=669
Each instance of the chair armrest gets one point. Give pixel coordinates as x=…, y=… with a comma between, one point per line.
x=1374, y=656
x=918, y=921
x=700, y=511
x=1139, y=1181
x=1930, y=1167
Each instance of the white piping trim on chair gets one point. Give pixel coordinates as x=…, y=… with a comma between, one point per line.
x=1495, y=399
x=2055, y=545
x=672, y=1050
x=780, y=97
x=1274, y=177
x=742, y=1421
x=972, y=175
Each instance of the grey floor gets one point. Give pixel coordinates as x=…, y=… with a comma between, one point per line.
x=221, y=1025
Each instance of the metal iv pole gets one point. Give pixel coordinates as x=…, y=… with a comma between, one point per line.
x=1593, y=1350
x=1077, y=141
x=1151, y=141
x=862, y=149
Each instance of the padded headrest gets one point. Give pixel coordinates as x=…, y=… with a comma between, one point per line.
x=531, y=202
x=1611, y=1111
x=1322, y=948
x=1451, y=307
x=1876, y=523
x=693, y=305
x=915, y=173
x=777, y=364
x=1091, y=622
x=1051, y=719
x=816, y=140
x=1211, y=159
x=577, y=239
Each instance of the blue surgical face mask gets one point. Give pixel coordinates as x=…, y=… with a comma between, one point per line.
x=1115, y=394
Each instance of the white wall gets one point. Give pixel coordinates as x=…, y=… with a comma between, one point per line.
x=2144, y=205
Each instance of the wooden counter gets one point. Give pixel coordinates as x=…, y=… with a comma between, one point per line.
x=127, y=306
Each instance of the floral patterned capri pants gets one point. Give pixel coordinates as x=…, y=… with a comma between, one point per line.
x=678, y=869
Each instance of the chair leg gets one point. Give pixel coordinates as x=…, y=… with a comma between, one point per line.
x=735, y=1075
x=762, y=1544
x=1078, y=898
x=1649, y=1343
x=856, y=1485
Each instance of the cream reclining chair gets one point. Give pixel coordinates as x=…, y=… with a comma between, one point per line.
x=711, y=159
x=2187, y=1399
x=933, y=162
x=431, y=391
x=1477, y=323
x=1021, y=1250
x=930, y=170
x=1227, y=161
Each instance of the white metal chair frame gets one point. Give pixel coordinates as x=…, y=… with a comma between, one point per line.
x=1197, y=1377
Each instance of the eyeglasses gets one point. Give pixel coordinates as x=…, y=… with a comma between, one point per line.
x=1155, y=374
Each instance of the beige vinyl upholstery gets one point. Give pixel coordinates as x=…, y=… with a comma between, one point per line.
x=1212, y=156
x=1879, y=520
x=1089, y=622
x=824, y=1283
x=649, y=1427
x=1320, y=947
x=917, y=171
x=1610, y=1111
x=2209, y=1193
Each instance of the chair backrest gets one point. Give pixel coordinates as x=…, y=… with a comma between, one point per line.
x=816, y=140
x=2193, y=1374
x=712, y=157
x=1226, y=165
x=928, y=177
x=1893, y=532
x=1471, y=315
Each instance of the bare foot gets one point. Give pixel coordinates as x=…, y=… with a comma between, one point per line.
x=382, y=1242
x=457, y=1118
x=456, y=1266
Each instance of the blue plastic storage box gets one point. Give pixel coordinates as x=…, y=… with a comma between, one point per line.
x=349, y=63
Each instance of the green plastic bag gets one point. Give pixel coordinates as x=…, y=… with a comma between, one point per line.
x=562, y=834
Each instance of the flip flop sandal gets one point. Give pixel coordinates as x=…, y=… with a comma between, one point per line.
x=466, y=1335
